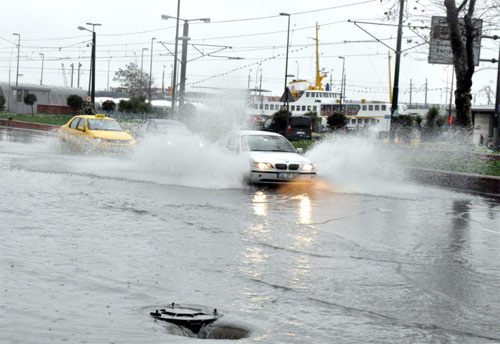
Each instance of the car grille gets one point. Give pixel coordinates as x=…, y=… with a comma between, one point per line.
x=293, y=167
x=116, y=141
x=281, y=166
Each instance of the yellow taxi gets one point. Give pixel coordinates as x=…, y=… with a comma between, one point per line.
x=95, y=133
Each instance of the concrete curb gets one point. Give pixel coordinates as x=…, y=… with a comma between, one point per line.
x=457, y=180
x=28, y=125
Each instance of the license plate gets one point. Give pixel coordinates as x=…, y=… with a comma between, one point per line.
x=300, y=132
x=287, y=175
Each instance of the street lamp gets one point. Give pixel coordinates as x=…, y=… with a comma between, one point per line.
x=41, y=76
x=297, y=62
x=285, y=95
x=163, y=82
x=92, y=95
x=342, y=82
x=184, y=38
x=18, y=48
x=142, y=78
x=151, y=69
x=109, y=62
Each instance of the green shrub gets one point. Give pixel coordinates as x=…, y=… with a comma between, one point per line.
x=2, y=102
x=75, y=102
x=108, y=106
x=336, y=121
x=280, y=119
x=30, y=99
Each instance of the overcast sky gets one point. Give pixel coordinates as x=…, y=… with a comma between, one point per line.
x=50, y=27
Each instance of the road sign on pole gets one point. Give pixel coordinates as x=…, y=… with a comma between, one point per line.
x=440, y=47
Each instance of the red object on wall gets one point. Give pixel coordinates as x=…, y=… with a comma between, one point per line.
x=55, y=109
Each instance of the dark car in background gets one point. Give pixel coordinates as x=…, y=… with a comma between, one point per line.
x=298, y=128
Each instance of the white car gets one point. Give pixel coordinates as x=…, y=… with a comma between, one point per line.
x=273, y=159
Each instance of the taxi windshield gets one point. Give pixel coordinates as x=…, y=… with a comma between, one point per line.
x=103, y=124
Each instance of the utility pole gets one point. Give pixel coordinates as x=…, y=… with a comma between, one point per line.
x=142, y=75
x=285, y=94
x=41, y=76
x=185, y=38
x=78, y=80
x=151, y=70
x=342, y=82
x=411, y=89
x=163, y=82
x=260, y=93
x=426, y=92
x=18, y=50
x=72, y=69
x=394, y=110
x=109, y=62
x=451, y=96
x=496, y=122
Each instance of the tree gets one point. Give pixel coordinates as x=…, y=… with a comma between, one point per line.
x=418, y=121
x=434, y=121
x=280, y=120
x=75, y=102
x=336, y=121
x=2, y=102
x=135, y=105
x=124, y=106
x=314, y=118
x=133, y=80
x=108, y=106
x=463, y=56
x=461, y=39
x=30, y=99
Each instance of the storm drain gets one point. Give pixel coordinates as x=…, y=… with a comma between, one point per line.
x=197, y=322
x=223, y=331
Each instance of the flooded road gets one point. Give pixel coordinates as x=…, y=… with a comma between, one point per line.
x=91, y=244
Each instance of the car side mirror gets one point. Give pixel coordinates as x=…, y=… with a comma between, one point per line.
x=300, y=150
x=80, y=128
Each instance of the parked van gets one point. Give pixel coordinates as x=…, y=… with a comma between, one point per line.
x=299, y=128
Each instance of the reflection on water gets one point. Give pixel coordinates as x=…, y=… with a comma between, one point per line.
x=259, y=203
x=305, y=208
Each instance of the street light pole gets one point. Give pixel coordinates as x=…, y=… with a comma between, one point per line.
x=142, y=63
x=285, y=100
x=297, y=69
x=78, y=80
x=72, y=70
x=107, y=84
x=174, y=77
x=184, y=39
x=41, y=75
x=163, y=82
x=395, y=93
x=342, y=81
x=18, y=50
x=93, y=57
x=151, y=70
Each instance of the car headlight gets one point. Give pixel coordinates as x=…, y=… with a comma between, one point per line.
x=262, y=165
x=307, y=167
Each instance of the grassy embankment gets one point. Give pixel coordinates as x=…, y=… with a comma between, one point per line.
x=38, y=118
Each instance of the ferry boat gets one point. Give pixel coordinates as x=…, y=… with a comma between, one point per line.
x=308, y=97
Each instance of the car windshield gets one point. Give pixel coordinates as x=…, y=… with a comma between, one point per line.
x=103, y=124
x=266, y=143
x=171, y=128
